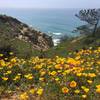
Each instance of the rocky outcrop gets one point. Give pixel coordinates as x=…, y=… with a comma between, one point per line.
x=15, y=29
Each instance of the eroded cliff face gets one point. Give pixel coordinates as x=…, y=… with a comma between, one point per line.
x=13, y=28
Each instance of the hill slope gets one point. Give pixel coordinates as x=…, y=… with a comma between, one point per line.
x=75, y=44
x=21, y=37
x=14, y=28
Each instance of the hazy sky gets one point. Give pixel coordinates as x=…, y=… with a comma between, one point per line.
x=49, y=3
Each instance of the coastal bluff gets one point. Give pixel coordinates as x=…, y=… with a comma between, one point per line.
x=15, y=29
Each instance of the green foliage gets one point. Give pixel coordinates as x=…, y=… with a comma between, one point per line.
x=92, y=17
x=74, y=44
x=20, y=48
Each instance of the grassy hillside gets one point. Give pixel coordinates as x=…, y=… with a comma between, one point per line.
x=23, y=40
x=74, y=44
x=20, y=48
x=24, y=49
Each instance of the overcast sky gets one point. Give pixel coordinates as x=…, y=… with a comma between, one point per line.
x=49, y=3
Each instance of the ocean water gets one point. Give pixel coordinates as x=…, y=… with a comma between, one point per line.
x=55, y=22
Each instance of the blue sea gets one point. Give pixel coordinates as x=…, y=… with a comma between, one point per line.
x=55, y=22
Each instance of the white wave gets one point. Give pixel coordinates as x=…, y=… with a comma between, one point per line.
x=57, y=33
x=56, y=41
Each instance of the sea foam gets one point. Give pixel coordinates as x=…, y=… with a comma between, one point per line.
x=56, y=41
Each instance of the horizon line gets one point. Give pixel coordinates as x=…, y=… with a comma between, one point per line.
x=46, y=8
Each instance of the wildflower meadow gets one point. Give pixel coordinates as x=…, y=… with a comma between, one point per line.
x=75, y=77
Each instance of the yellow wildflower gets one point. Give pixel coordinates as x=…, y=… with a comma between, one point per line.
x=42, y=73
x=97, y=86
x=86, y=90
x=29, y=76
x=57, y=79
x=41, y=79
x=73, y=84
x=92, y=75
x=2, y=63
x=53, y=73
x=84, y=96
x=79, y=74
x=1, y=55
x=5, y=78
x=77, y=91
x=8, y=72
x=13, y=60
x=24, y=96
x=89, y=81
x=98, y=90
x=11, y=53
x=32, y=91
x=16, y=77
x=65, y=90
x=40, y=91
x=58, y=66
